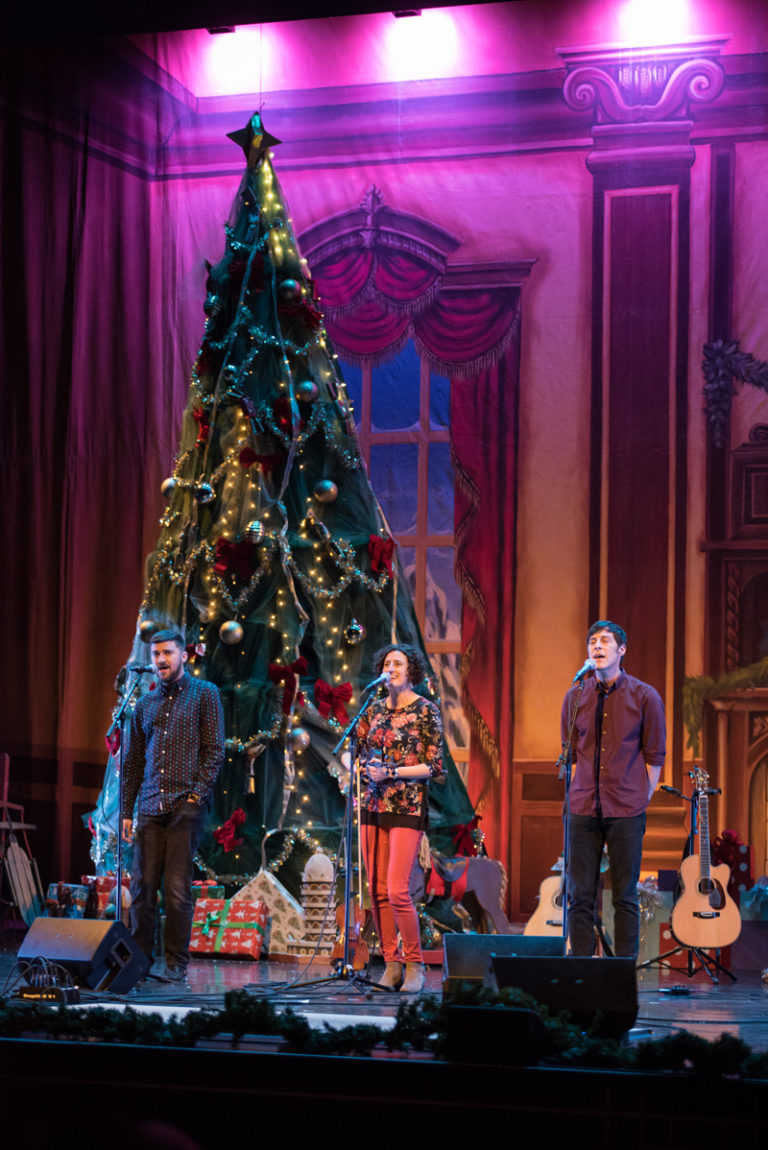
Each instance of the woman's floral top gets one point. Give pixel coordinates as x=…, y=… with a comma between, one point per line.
x=410, y=735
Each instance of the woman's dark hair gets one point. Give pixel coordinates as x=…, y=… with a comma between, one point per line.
x=418, y=668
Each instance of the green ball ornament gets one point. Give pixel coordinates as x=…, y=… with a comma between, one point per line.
x=148, y=628
x=231, y=632
x=289, y=290
x=354, y=633
x=204, y=493
x=325, y=491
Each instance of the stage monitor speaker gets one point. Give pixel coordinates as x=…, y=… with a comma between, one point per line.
x=599, y=993
x=98, y=953
x=467, y=957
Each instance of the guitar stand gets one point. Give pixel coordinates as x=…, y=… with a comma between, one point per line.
x=711, y=965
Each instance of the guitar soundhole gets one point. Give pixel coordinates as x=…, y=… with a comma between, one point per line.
x=713, y=893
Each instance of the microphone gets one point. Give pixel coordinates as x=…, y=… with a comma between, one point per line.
x=383, y=678
x=589, y=665
x=140, y=668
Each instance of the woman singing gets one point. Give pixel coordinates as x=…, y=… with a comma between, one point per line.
x=400, y=742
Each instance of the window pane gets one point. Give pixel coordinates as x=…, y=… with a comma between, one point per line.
x=394, y=474
x=439, y=401
x=455, y=725
x=440, y=505
x=353, y=378
x=407, y=556
x=443, y=601
x=395, y=392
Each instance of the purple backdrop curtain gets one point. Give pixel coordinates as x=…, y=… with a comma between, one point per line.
x=89, y=419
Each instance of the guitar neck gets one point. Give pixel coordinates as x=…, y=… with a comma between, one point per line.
x=704, y=851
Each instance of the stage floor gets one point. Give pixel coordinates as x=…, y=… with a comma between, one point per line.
x=668, y=1000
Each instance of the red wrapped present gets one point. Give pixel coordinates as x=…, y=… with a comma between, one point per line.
x=228, y=926
x=100, y=888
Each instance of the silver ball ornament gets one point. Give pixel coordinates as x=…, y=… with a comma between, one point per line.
x=167, y=487
x=254, y=532
x=298, y=738
x=306, y=391
x=354, y=632
x=325, y=491
x=230, y=632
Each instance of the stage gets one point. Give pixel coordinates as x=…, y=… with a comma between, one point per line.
x=101, y=1094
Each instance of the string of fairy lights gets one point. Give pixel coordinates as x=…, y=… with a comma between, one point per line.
x=233, y=555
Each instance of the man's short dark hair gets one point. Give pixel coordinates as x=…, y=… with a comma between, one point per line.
x=618, y=632
x=417, y=664
x=168, y=637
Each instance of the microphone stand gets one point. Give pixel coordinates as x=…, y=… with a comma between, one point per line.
x=117, y=725
x=344, y=970
x=564, y=767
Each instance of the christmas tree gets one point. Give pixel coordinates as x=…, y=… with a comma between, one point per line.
x=275, y=560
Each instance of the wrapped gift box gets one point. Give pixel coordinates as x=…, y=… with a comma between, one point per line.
x=66, y=900
x=286, y=918
x=207, y=888
x=228, y=926
x=100, y=894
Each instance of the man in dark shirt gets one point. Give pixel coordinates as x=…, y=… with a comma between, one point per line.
x=175, y=753
x=619, y=745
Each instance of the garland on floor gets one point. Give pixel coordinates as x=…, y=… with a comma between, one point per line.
x=420, y=1026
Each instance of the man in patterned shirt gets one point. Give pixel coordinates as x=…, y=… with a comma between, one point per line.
x=176, y=751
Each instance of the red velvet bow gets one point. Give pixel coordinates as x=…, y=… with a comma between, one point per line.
x=235, y=558
x=332, y=699
x=268, y=461
x=225, y=834
x=279, y=673
x=203, y=425
x=381, y=548
x=463, y=843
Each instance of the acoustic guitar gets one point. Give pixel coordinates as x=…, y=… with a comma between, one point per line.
x=705, y=916
x=547, y=919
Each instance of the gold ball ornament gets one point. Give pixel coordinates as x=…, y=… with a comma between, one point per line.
x=148, y=628
x=325, y=491
x=298, y=737
x=231, y=632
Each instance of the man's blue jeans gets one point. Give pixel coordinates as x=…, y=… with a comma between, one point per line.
x=164, y=848
x=624, y=839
